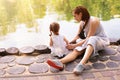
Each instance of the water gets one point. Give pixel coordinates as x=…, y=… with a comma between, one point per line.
x=112, y=28
x=52, y=10
x=29, y=37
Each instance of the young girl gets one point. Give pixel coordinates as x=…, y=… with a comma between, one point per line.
x=57, y=41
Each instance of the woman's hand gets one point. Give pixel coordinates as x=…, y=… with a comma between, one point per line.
x=71, y=46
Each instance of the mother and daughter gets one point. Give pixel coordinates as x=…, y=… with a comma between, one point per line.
x=89, y=39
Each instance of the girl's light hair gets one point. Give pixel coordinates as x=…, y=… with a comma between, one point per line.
x=54, y=27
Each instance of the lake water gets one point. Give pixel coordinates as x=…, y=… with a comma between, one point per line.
x=48, y=11
x=29, y=37
x=24, y=36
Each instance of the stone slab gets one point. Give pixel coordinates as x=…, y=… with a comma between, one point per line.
x=38, y=68
x=16, y=70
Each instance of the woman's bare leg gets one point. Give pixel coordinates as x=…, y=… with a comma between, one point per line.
x=87, y=54
x=80, y=67
x=71, y=56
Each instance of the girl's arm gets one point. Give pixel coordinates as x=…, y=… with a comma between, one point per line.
x=65, y=39
x=51, y=42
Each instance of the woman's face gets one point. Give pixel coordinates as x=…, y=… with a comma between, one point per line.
x=77, y=16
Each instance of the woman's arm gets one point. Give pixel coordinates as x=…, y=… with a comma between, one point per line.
x=74, y=39
x=79, y=30
x=93, y=27
x=71, y=45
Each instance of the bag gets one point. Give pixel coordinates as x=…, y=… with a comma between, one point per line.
x=82, y=35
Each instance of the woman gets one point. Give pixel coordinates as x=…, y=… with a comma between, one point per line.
x=89, y=40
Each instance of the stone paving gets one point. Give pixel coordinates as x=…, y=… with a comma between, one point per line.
x=106, y=66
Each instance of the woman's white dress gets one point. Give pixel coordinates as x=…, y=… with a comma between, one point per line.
x=59, y=46
x=99, y=41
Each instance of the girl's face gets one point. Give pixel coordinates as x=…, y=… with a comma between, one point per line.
x=77, y=16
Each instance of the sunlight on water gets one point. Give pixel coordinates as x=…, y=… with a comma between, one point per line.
x=29, y=37
x=112, y=28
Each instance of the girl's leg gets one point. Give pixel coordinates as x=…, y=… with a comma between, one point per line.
x=58, y=64
x=71, y=56
x=87, y=54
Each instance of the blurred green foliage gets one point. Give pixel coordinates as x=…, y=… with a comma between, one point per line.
x=14, y=12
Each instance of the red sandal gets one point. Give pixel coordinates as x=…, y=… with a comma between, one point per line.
x=55, y=63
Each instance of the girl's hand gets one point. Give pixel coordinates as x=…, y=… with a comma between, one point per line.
x=71, y=46
x=73, y=42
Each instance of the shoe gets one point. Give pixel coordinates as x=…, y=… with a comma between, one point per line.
x=54, y=70
x=78, y=69
x=55, y=64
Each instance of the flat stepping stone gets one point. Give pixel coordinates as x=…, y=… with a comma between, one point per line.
x=102, y=58
x=88, y=67
x=42, y=49
x=16, y=70
x=26, y=50
x=115, y=58
x=26, y=60
x=112, y=64
x=98, y=65
x=7, y=59
x=38, y=68
x=41, y=58
x=3, y=66
x=93, y=59
x=70, y=66
x=107, y=51
x=2, y=52
x=44, y=56
x=12, y=51
x=11, y=64
x=2, y=72
x=49, y=56
x=118, y=49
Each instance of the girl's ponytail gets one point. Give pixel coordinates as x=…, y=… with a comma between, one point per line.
x=50, y=33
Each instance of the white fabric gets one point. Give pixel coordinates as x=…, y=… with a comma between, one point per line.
x=59, y=46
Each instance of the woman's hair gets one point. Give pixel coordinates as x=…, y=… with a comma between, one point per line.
x=54, y=27
x=84, y=11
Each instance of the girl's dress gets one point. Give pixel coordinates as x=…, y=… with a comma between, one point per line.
x=59, y=46
x=99, y=41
